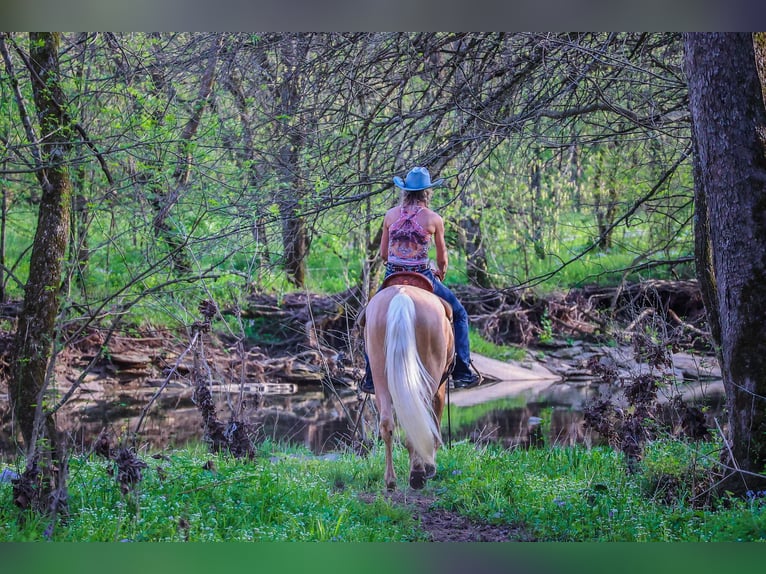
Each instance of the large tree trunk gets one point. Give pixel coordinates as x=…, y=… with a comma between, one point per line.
x=759, y=43
x=37, y=321
x=729, y=120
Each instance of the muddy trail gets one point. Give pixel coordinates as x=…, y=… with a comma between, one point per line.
x=443, y=525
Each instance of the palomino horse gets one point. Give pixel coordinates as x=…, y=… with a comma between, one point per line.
x=410, y=343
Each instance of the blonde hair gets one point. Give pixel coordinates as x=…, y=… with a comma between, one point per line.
x=413, y=197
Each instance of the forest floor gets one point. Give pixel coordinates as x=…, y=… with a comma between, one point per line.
x=440, y=525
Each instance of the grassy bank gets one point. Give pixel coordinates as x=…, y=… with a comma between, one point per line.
x=553, y=494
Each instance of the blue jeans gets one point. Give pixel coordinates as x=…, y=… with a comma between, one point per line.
x=459, y=323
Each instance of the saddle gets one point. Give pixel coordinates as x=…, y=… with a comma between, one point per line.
x=412, y=279
x=408, y=278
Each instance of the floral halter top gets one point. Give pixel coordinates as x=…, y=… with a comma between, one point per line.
x=408, y=242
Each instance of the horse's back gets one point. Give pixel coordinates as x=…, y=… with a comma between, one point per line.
x=431, y=312
x=433, y=328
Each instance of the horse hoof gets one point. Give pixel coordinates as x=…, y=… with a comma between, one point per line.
x=391, y=486
x=430, y=471
x=417, y=479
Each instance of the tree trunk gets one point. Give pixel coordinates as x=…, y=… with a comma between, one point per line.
x=295, y=237
x=296, y=243
x=759, y=44
x=575, y=175
x=79, y=254
x=163, y=201
x=475, y=252
x=728, y=120
x=536, y=184
x=605, y=202
x=254, y=206
x=3, y=223
x=37, y=321
x=296, y=240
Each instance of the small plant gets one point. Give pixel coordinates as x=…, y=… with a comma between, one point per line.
x=546, y=329
x=674, y=471
x=632, y=419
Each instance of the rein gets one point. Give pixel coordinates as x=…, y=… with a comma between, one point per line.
x=449, y=419
x=445, y=380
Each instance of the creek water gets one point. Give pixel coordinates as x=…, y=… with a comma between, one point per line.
x=323, y=418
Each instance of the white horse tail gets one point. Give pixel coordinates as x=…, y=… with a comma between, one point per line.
x=408, y=380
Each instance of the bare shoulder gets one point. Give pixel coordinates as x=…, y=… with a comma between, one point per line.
x=391, y=215
x=434, y=218
x=430, y=220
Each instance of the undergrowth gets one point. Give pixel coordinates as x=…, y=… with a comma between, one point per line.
x=578, y=494
x=283, y=493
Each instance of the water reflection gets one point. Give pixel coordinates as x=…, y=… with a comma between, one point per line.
x=536, y=423
x=554, y=415
x=313, y=417
x=323, y=419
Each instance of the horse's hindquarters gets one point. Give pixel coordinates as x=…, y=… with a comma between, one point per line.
x=409, y=342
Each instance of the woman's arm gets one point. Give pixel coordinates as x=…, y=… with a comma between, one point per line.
x=384, y=240
x=441, y=247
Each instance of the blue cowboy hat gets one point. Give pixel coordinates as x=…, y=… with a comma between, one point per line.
x=417, y=179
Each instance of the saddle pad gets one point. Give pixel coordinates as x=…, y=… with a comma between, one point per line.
x=408, y=278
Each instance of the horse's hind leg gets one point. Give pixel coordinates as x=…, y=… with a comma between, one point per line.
x=418, y=469
x=418, y=477
x=426, y=468
x=438, y=407
x=387, y=434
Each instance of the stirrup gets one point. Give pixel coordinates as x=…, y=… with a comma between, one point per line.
x=466, y=381
x=366, y=386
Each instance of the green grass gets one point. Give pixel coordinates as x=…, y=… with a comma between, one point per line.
x=281, y=496
x=500, y=352
x=574, y=494
x=555, y=494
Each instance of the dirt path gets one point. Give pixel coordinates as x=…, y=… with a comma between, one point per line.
x=501, y=379
x=446, y=526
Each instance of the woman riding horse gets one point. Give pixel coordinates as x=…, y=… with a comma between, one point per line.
x=408, y=230
x=409, y=334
